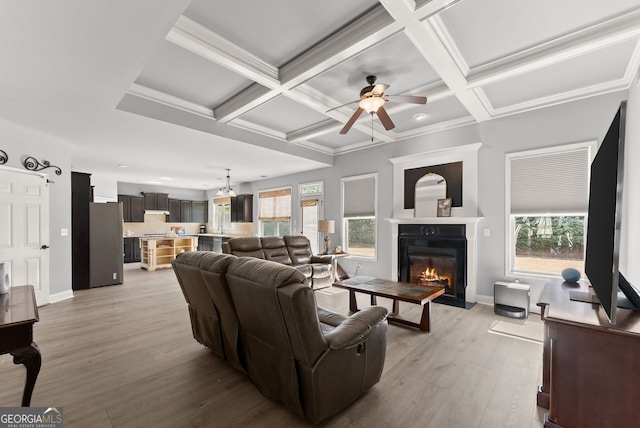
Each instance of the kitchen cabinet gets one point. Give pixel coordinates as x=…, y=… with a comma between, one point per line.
x=174, y=211
x=185, y=211
x=156, y=201
x=199, y=211
x=242, y=209
x=132, y=250
x=132, y=208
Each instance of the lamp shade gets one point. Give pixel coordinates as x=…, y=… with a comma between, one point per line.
x=326, y=226
x=371, y=104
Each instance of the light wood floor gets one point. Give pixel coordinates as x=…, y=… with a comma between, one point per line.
x=123, y=356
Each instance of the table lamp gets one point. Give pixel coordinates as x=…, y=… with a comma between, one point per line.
x=326, y=227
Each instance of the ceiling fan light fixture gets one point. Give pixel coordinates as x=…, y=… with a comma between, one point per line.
x=371, y=104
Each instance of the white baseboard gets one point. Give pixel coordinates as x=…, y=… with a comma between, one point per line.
x=58, y=297
x=484, y=300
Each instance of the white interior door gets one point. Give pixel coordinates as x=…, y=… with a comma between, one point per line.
x=24, y=229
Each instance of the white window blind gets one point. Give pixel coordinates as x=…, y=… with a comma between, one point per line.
x=552, y=182
x=275, y=205
x=360, y=197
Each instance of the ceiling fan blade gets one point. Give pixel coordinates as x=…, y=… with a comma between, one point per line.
x=346, y=104
x=351, y=121
x=406, y=99
x=384, y=118
x=379, y=89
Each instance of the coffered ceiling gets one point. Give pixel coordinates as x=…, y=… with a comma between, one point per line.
x=250, y=84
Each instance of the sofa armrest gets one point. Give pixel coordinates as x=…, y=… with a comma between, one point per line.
x=357, y=328
x=328, y=259
x=330, y=318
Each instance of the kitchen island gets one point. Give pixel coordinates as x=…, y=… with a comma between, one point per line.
x=159, y=252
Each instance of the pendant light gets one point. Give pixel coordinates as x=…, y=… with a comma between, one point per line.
x=226, y=190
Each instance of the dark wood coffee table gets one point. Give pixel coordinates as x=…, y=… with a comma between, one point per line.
x=397, y=291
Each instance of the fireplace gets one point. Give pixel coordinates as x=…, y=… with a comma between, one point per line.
x=435, y=254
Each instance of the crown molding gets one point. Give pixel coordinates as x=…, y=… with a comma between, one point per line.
x=169, y=100
x=359, y=146
x=259, y=129
x=581, y=42
x=317, y=147
x=551, y=100
x=436, y=127
x=449, y=44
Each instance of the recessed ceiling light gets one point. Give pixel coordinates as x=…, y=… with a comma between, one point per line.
x=420, y=116
x=166, y=178
x=121, y=165
x=154, y=182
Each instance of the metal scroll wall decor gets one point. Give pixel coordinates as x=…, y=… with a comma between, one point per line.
x=4, y=157
x=32, y=164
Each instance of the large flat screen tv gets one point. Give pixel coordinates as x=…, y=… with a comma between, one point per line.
x=604, y=222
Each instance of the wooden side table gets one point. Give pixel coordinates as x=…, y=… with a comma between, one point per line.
x=18, y=312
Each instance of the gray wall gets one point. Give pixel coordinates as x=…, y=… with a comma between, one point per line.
x=584, y=120
x=21, y=142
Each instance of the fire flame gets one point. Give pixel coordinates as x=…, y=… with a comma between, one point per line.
x=431, y=275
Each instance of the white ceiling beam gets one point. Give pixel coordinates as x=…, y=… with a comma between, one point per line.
x=354, y=38
x=244, y=102
x=425, y=39
x=190, y=35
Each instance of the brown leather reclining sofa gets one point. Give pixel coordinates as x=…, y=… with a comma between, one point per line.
x=291, y=250
x=262, y=317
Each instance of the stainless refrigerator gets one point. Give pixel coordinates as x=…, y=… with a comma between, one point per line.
x=106, y=246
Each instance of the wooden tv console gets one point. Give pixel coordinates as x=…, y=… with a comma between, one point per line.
x=591, y=369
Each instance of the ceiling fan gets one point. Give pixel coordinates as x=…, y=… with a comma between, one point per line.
x=372, y=99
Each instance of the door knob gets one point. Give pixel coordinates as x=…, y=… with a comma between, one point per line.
x=44, y=247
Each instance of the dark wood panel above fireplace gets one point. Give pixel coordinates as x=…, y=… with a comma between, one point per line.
x=452, y=172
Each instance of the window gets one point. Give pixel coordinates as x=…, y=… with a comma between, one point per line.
x=222, y=214
x=359, y=201
x=547, y=195
x=275, y=212
x=311, y=195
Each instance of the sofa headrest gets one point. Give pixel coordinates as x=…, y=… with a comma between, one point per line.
x=191, y=258
x=214, y=262
x=296, y=241
x=271, y=242
x=265, y=272
x=246, y=246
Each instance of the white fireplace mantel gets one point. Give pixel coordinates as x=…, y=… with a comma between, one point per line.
x=464, y=214
x=436, y=220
